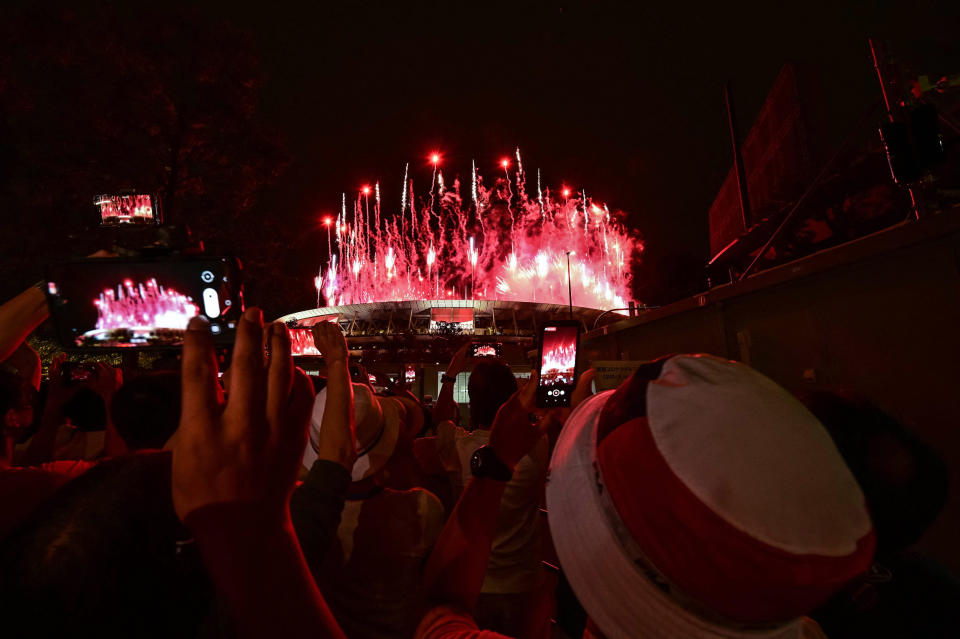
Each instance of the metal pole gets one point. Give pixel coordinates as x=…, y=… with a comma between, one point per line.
x=914, y=205
x=738, y=161
x=569, y=288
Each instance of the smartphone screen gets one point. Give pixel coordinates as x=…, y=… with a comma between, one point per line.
x=127, y=209
x=122, y=303
x=558, y=364
x=486, y=349
x=301, y=342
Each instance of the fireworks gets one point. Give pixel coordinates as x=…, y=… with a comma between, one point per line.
x=143, y=306
x=495, y=242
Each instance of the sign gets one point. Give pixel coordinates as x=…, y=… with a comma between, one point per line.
x=611, y=373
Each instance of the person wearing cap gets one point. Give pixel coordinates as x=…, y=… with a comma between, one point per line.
x=698, y=499
x=370, y=572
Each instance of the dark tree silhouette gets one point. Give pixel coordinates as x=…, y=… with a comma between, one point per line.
x=95, y=99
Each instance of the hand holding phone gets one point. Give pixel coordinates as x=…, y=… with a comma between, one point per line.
x=557, y=363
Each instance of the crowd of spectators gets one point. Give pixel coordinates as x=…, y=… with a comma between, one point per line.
x=697, y=499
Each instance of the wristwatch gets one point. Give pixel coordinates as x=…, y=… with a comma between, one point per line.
x=485, y=464
x=444, y=379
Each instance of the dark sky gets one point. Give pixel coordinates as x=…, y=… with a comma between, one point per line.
x=622, y=99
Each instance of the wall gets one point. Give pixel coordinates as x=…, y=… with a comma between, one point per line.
x=878, y=316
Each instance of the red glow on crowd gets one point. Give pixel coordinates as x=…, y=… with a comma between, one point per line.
x=506, y=241
x=143, y=305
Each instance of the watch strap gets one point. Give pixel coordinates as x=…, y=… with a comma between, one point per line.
x=485, y=464
x=444, y=379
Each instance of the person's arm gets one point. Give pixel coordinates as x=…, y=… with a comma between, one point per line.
x=337, y=440
x=40, y=448
x=18, y=317
x=458, y=563
x=234, y=469
x=316, y=504
x=446, y=407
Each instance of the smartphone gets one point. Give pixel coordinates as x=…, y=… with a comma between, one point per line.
x=77, y=372
x=558, y=363
x=128, y=209
x=488, y=349
x=143, y=303
x=301, y=342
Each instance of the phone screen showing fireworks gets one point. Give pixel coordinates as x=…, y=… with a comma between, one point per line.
x=119, y=303
x=127, y=209
x=301, y=342
x=558, y=364
x=486, y=350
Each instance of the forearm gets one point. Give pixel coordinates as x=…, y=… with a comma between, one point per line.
x=455, y=571
x=18, y=317
x=261, y=573
x=41, y=446
x=336, y=439
x=445, y=407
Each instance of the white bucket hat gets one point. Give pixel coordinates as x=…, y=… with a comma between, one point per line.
x=700, y=499
x=377, y=422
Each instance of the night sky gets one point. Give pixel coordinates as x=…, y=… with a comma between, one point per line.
x=623, y=99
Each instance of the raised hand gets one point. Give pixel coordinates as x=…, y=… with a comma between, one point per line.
x=458, y=362
x=329, y=340
x=247, y=450
x=515, y=431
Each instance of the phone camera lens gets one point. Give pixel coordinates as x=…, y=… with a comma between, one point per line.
x=206, y=276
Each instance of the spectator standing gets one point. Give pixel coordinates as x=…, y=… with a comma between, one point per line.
x=514, y=567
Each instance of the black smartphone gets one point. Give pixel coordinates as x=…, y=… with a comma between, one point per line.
x=77, y=372
x=140, y=208
x=485, y=349
x=558, y=363
x=143, y=303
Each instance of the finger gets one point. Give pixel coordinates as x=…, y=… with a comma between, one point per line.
x=200, y=401
x=291, y=435
x=246, y=395
x=584, y=387
x=279, y=374
x=527, y=394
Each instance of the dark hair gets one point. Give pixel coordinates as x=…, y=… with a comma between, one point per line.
x=146, y=409
x=903, y=479
x=490, y=385
x=86, y=410
x=105, y=556
x=12, y=396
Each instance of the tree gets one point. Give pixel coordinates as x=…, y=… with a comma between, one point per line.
x=96, y=99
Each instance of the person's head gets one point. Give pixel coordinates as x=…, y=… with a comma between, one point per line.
x=490, y=385
x=146, y=409
x=700, y=499
x=86, y=410
x=378, y=422
x=105, y=556
x=16, y=403
x=905, y=481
